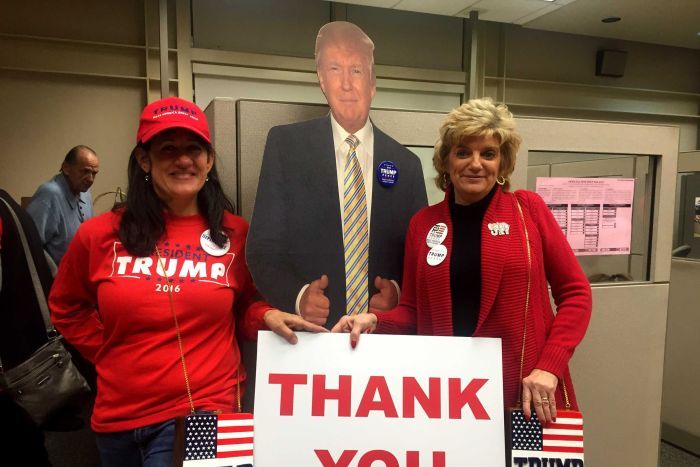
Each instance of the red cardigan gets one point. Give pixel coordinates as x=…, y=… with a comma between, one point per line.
x=426, y=309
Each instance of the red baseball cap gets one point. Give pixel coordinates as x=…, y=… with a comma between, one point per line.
x=171, y=112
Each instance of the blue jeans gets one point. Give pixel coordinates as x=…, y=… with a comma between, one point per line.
x=148, y=446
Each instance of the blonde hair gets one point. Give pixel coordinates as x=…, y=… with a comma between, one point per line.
x=480, y=118
x=343, y=33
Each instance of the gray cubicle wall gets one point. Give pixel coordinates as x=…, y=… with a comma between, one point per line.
x=618, y=368
x=254, y=120
x=680, y=414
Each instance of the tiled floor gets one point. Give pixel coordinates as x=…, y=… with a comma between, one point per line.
x=671, y=456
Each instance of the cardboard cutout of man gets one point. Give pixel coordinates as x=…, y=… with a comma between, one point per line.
x=335, y=196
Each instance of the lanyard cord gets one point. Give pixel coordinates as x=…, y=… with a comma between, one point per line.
x=177, y=331
x=182, y=353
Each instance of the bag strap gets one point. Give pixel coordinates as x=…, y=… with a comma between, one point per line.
x=179, y=344
x=527, y=305
x=38, y=289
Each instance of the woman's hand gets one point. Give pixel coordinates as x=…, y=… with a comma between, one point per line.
x=538, y=390
x=356, y=325
x=284, y=324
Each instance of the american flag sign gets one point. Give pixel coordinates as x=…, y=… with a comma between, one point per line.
x=554, y=444
x=221, y=440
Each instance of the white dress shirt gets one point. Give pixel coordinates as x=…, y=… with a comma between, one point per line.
x=365, y=156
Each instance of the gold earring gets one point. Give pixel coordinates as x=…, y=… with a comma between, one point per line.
x=501, y=180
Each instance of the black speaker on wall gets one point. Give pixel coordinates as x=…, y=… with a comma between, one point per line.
x=610, y=63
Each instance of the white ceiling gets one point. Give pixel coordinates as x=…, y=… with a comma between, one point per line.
x=668, y=22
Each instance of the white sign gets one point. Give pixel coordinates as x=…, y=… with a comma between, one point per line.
x=398, y=401
x=595, y=214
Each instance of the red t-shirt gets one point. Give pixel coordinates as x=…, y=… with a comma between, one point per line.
x=115, y=309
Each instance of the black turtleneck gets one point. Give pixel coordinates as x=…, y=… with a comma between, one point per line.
x=465, y=263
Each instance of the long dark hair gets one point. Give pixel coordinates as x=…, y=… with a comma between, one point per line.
x=142, y=222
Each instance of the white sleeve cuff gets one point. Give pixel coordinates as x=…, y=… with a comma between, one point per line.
x=398, y=290
x=301, y=292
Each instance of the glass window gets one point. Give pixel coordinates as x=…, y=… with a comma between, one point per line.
x=687, y=226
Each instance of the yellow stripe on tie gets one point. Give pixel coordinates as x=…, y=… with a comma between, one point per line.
x=355, y=233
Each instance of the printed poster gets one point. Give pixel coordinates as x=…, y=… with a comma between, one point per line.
x=595, y=214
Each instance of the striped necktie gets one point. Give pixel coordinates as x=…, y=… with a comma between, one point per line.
x=355, y=234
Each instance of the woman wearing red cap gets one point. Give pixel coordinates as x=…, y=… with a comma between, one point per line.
x=154, y=292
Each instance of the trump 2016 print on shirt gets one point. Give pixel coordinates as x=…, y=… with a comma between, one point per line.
x=179, y=266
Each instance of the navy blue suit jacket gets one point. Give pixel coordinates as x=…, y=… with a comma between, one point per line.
x=296, y=230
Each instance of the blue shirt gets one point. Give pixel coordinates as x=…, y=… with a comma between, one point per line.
x=58, y=213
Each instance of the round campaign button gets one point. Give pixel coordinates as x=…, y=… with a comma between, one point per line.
x=436, y=235
x=212, y=248
x=437, y=255
x=387, y=174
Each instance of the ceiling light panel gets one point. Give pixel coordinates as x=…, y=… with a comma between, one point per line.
x=507, y=11
x=546, y=7
x=372, y=3
x=436, y=7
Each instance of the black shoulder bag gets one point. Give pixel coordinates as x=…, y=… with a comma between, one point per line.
x=48, y=379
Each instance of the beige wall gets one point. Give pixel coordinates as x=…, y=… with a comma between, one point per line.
x=74, y=72
x=78, y=72
x=52, y=114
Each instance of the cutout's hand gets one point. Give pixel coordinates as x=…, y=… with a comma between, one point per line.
x=314, y=306
x=387, y=297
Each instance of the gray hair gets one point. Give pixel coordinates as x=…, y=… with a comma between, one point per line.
x=72, y=156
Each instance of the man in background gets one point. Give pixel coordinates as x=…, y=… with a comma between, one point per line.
x=335, y=196
x=60, y=205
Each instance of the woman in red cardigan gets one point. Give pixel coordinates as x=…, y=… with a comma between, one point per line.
x=468, y=269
